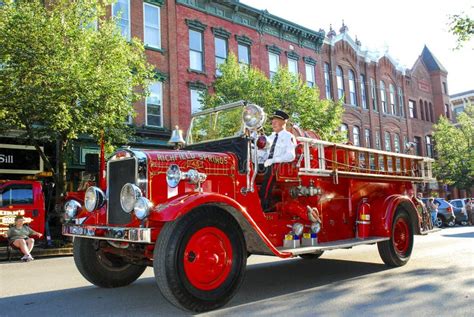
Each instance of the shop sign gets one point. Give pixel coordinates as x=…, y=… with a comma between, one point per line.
x=19, y=159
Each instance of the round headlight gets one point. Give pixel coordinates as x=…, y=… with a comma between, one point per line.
x=94, y=198
x=315, y=227
x=173, y=175
x=253, y=117
x=128, y=196
x=71, y=208
x=142, y=208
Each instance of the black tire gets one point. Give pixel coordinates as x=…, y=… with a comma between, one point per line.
x=311, y=256
x=103, y=269
x=439, y=222
x=182, y=249
x=397, y=251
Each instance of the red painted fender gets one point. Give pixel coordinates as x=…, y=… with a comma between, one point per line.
x=382, y=226
x=256, y=240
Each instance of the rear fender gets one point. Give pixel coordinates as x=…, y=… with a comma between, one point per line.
x=255, y=239
x=388, y=207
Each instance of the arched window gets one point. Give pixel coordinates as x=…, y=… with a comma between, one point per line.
x=388, y=144
x=367, y=138
x=327, y=81
x=344, y=129
x=422, y=111
x=377, y=140
x=431, y=112
x=383, y=97
x=352, y=88
x=427, y=112
x=396, y=142
x=392, y=100
x=356, y=135
x=401, y=103
x=340, y=82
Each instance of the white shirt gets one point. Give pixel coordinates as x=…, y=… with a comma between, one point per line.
x=284, y=148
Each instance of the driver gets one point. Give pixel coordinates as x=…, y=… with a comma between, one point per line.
x=281, y=149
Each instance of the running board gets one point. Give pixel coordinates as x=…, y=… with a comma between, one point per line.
x=340, y=244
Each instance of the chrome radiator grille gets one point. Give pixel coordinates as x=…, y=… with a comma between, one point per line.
x=119, y=173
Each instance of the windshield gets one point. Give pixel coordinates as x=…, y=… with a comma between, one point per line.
x=221, y=123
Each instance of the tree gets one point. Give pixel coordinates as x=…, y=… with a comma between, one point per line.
x=462, y=26
x=66, y=72
x=454, y=145
x=284, y=91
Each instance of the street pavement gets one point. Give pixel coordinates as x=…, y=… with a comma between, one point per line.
x=438, y=281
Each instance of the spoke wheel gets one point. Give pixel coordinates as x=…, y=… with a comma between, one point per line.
x=397, y=250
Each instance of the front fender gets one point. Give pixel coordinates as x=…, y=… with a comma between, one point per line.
x=256, y=240
x=388, y=207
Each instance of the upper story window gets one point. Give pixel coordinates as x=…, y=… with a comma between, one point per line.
x=221, y=53
x=310, y=81
x=396, y=142
x=196, y=100
x=445, y=88
x=244, y=54
x=429, y=146
x=352, y=88
x=327, y=81
x=121, y=12
x=422, y=112
x=344, y=129
x=446, y=110
x=377, y=140
x=154, y=109
x=367, y=137
x=356, y=135
x=392, y=100
x=363, y=94
x=417, y=141
x=152, y=32
x=383, y=97
x=340, y=82
x=412, y=108
x=274, y=62
x=196, y=52
x=401, y=104
x=293, y=66
x=388, y=143
x=373, y=90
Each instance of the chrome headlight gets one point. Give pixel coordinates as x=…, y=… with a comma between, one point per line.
x=94, y=198
x=142, y=208
x=194, y=177
x=71, y=208
x=128, y=196
x=173, y=175
x=253, y=117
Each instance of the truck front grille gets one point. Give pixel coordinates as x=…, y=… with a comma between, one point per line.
x=119, y=173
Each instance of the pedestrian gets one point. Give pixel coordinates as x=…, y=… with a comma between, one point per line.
x=433, y=209
x=19, y=237
x=470, y=211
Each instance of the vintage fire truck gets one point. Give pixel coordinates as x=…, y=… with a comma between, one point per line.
x=195, y=215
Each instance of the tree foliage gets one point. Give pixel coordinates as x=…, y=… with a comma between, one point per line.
x=66, y=71
x=462, y=26
x=284, y=91
x=455, y=149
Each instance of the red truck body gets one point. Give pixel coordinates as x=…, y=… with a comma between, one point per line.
x=197, y=214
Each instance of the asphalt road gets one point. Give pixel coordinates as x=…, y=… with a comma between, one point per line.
x=438, y=281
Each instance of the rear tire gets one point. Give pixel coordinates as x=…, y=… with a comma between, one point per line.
x=200, y=259
x=397, y=251
x=311, y=256
x=103, y=269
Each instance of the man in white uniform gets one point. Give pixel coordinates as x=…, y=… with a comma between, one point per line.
x=281, y=149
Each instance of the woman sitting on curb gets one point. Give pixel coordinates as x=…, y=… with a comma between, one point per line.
x=19, y=236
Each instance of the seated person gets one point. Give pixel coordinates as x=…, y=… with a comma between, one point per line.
x=282, y=149
x=19, y=236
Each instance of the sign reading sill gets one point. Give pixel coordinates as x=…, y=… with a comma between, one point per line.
x=19, y=159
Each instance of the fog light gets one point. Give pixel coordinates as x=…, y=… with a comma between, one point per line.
x=71, y=209
x=142, y=208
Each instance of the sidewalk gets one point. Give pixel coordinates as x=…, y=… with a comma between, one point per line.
x=39, y=251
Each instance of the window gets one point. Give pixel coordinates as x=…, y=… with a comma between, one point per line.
x=274, y=62
x=422, y=112
x=445, y=88
x=121, y=12
x=293, y=66
x=388, y=144
x=446, y=110
x=427, y=112
x=309, y=75
x=356, y=135
x=196, y=101
x=373, y=89
x=17, y=195
x=344, y=130
x=396, y=143
x=392, y=100
x=352, y=88
x=196, y=52
x=367, y=137
x=401, y=103
x=340, y=82
x=429, y=146
x=153, y=105
x=327, y=81
x=377, y=140
x=405, y=143
x=411, y=109
x=244, y=54
x=152, y=34
x=383, y=97
x=221, y=53
x=431, y=112
x=363, y=94
x=417, y=141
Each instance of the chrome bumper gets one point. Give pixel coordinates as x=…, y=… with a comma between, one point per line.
x=123, y=234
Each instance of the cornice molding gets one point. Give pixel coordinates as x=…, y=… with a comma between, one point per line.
x=159, y=75
x=292, y=55
x=155, y=2
x=274, y=49
x=220, y=32
x=196, y=25
x=197, y=84
x=242, y=39
x=309, y=60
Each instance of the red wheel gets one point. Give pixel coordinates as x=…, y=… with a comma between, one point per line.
x=199, y=260
x=208, y=258
x=397, y=250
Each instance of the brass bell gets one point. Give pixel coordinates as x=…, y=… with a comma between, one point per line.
x=176, y=138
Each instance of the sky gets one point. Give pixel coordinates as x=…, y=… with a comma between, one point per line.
x=403, y=27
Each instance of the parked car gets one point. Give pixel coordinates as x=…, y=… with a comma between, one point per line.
x=460, y=210
x=446, y=215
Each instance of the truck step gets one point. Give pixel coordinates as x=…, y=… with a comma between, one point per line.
x=340, y=244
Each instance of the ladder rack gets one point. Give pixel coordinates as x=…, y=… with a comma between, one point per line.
x=322, y=158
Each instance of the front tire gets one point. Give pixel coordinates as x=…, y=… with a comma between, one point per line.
x=439, y=222
x=397, y=251
x=103, y=269
x=199, y=259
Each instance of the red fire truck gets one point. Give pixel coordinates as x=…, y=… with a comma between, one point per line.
x=195, y=215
